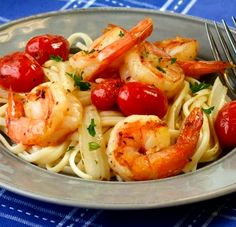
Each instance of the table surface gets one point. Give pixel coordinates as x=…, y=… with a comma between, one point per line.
x=21, y=211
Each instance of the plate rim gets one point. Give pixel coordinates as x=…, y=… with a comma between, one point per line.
x=102, y=9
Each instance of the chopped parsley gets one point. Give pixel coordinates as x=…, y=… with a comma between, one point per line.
x=160, y=59
x=89, y=52
x=93, y=146
x=161, y=69
x=209, y=110
x=173, y=60
x=56, y=58
x=78, y=81
x=145, y=53
x=91, y=128
x=70, y=148
x=121, y=34
x=198, y=86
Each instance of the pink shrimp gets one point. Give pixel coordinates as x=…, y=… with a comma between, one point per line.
x=149, y=64
x=139, y=147
x=198, y=69
x=97, y=60
x=179, y=47
x=43, y=117
x=185, y=50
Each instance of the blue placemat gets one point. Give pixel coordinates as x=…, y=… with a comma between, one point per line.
x=16, y=210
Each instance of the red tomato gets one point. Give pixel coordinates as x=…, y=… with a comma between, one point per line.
x=20, y=71
x=139, y=98
x=225, y=124
x=104, y=95
x=43, y=46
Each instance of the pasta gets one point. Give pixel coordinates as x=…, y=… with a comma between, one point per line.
x=82, y=154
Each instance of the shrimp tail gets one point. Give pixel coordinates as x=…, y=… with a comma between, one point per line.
x=15, y=108
x=189, y=135
x=142, y=30
x=197, y=69
x=15, y=111
x=171, y=160
x=136, y=35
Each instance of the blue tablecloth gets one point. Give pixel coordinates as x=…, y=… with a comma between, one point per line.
x=16, y=210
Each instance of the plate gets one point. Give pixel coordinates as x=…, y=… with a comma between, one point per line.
x=26, y=179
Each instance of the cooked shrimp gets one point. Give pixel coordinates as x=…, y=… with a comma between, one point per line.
x=97, y=60
x=185, y=50
x=139, y=147
x=197, y=69
x=148, y=64
x=179, y=47
x=43, y=117
x=111, y=34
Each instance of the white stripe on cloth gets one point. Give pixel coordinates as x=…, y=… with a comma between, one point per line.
x=87, y=223
x=214, y=214
x=140, y=3
x=67, y=217
x=32, y=206
x=89, y=3
x=3, y=19
x=179, y=3
x=19, y=220
x=166, y=5
x=189, y=6
x=233, y=218
x=67, y=4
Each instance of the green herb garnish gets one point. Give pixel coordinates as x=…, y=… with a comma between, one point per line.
x=93, y=146
x=121, y=34
x=56, y=58
x=145, y=53
x=173, y=60
x=91, y=128
x=89, y=52
x=161, y=69
x=160, y=59
x=198, y=86
x=209, y=110
x=78, y=81
x=70, y=148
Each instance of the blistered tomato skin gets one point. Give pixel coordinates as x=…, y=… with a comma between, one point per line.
x=20, y=72
x=225, y=124
x=104, y=94
x=139, y=98
x=43, y=46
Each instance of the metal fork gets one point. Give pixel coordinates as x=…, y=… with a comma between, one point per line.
x=229, y=50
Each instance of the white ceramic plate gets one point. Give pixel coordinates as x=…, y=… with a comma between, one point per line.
x=18, y=176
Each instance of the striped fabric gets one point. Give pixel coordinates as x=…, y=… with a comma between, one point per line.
x=16, y=210
x=215, y=10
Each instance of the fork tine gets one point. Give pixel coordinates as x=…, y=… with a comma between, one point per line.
x=234, y=20
x=230, y=81
x=214, y=48
x=229, y=34
x=223, y=43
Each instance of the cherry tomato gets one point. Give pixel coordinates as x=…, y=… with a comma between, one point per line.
x=225, y=124
x=139, y=98
x=104, y=95
x=43, y=46
x=20, y=71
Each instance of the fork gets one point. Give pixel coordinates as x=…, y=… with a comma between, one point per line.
x=229, y=77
